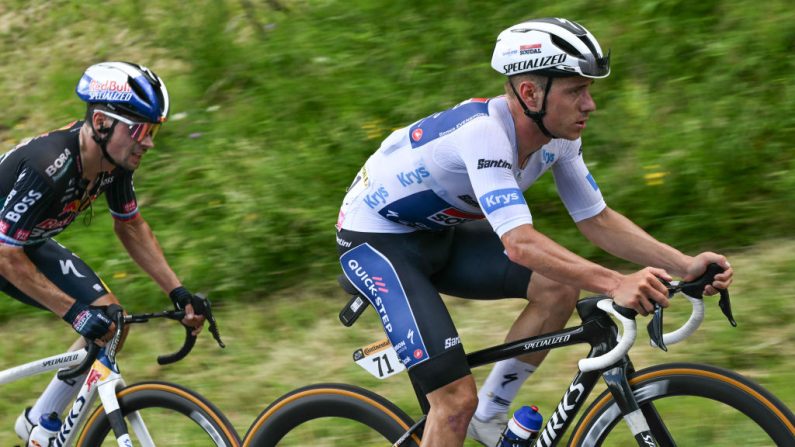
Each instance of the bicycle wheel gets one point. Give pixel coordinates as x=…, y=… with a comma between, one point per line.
x=698, y=405
x=329, y=415
x=173, y=415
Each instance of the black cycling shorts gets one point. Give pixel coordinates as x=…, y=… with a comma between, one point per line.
x=402, y=274
x=63, y=268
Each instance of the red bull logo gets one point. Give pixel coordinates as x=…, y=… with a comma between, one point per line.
x=109, y=91
x=108, y=86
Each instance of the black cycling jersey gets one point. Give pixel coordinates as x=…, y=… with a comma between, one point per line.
x=42, y=188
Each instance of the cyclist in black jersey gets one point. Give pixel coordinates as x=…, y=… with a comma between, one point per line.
x=439, y=208
x=47, y=181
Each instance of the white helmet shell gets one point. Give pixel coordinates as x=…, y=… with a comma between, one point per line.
x=552, y=47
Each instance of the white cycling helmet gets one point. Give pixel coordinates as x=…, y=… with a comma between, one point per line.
x=550, y=47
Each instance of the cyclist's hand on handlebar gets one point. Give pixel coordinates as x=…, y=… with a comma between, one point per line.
x=699, y=265
x=193, y=307
x=92, y=322
x=641, y=289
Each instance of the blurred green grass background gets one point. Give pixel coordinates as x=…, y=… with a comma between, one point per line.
x=276, y=104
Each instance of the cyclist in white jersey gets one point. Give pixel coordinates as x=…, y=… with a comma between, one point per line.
x=438, y=208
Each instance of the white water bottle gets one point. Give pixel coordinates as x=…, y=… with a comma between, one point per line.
x=43, y=435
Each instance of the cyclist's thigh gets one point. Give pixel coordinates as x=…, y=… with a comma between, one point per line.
x=478, y=267
x=392, y=271
x=63, y=268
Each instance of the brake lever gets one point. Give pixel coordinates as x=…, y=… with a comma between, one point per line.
x=726, y=306
x=113, y=344
x=655, y=328
x=213, y=325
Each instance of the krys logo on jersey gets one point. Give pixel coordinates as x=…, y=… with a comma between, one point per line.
x=412, y=177
x=377, y=198
x=373, y=276
x=501, y=198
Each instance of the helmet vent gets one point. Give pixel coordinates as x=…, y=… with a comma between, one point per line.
x=566, y=47
x=139, y=92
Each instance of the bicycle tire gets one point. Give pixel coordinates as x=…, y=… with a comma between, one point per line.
x=202, y=417
x=676, y=380
x=349, y=402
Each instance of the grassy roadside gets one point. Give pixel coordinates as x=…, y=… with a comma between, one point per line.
x=295, y=339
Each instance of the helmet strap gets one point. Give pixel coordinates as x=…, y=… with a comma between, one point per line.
x=537, y=117
x=103, y=141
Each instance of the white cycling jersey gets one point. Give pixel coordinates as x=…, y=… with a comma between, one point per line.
x=460, y=165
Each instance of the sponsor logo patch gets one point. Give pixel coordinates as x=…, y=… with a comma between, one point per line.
x=501, y=198
x=483, y=164
x=537, y=63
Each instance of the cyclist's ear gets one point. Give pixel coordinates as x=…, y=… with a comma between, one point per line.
x=99, y=120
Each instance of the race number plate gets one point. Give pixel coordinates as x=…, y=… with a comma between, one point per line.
x=379, y=359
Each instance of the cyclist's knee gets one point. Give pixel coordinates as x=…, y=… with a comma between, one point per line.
x=456, y=398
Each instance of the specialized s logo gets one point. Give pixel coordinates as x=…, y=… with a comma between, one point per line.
x=501, y=198
x=512, y=377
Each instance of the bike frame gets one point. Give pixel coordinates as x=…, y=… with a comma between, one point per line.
x=599, y=331
x=103, y=379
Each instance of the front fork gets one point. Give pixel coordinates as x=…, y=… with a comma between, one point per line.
x=645, y=423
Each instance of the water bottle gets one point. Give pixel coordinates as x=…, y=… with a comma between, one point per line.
x=44, y=434
x=522, y=429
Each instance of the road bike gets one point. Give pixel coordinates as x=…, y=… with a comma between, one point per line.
x=719, y=406
x=159, y=413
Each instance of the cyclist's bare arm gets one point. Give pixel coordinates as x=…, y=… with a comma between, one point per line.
x=17, y=268
x=528, y=247
x=619, y=236
x=141, y=243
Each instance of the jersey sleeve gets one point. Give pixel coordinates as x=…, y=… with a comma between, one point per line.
x=489, y=158
x=575, y=184
x=24, y=207
x=121, y=196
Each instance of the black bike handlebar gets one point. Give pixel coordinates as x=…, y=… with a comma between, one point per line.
x=120, y=319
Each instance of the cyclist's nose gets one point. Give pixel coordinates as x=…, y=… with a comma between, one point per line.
x=147, y=143
x=588, y=104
